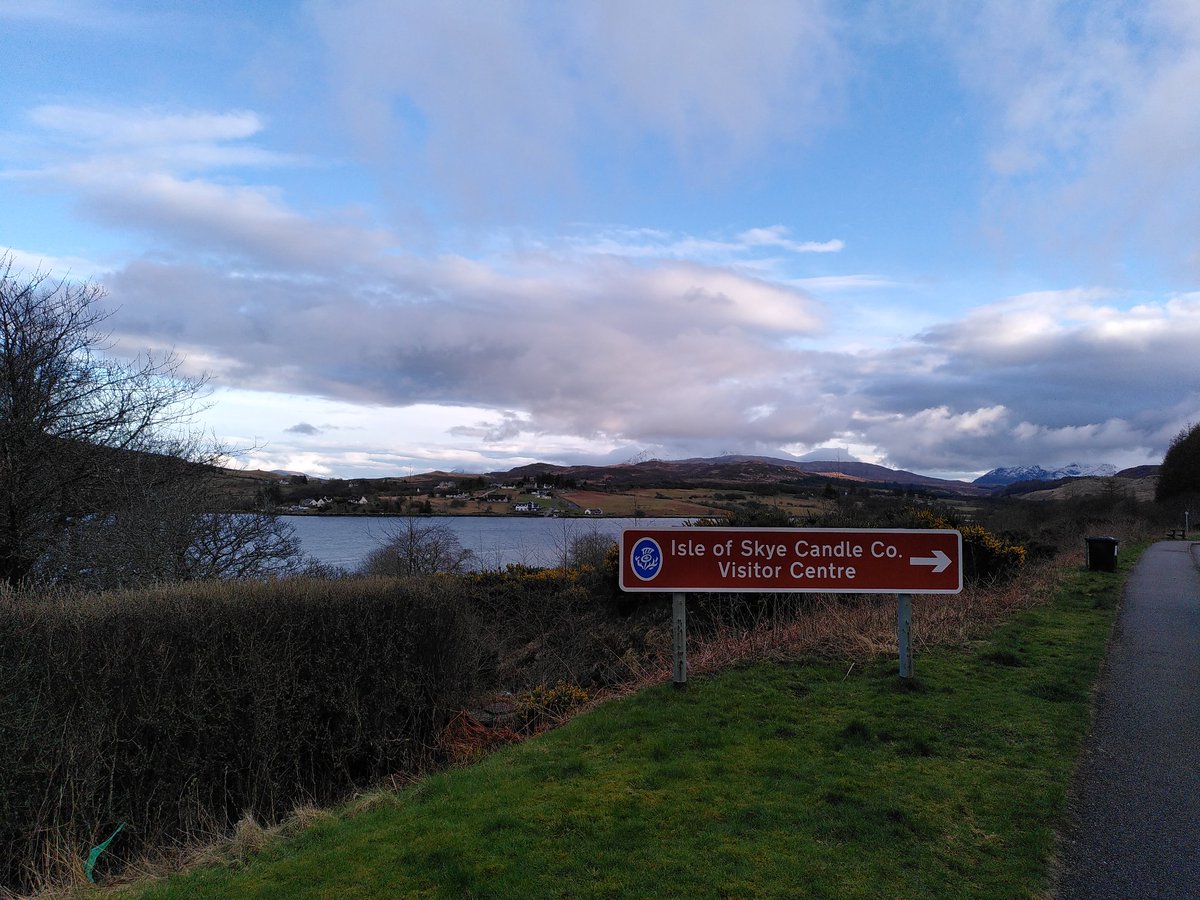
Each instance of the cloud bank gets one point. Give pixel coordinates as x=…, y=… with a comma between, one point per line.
x=452, y=244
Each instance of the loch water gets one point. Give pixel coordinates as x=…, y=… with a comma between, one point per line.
x=494, y=541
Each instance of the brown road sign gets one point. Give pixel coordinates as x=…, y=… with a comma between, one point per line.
x=826, y=560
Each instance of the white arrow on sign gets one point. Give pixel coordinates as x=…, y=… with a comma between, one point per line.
x=940, y=561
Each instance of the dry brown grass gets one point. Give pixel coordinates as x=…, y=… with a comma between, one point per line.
x=465, y=740
x=849, y=628
x=57, y=870
x=305, y=817
x=249, y=838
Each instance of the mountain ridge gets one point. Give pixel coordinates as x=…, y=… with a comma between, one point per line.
x=748, y=469
x=744, y=468
x=1006, y=475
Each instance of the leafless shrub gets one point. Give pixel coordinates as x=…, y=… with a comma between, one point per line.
x=101, y=484
x=72, y=413
x=417, y=546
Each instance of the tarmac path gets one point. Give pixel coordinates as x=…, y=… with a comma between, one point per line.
x=1135, y=802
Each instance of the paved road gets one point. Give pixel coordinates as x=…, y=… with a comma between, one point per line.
x=1136, y=798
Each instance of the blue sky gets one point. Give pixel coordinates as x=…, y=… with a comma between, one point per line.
x=397, y=237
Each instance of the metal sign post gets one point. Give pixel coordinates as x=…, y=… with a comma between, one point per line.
x=904, y=633
x=899, y=561
x=679, y=640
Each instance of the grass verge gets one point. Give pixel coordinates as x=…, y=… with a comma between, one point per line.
x=773, y=779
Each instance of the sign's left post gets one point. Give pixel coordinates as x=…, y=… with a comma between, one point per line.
x=679, y=640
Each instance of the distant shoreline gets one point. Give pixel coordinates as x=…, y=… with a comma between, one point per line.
x=469, y=515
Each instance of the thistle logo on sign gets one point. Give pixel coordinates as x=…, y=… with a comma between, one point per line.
x=646, y=559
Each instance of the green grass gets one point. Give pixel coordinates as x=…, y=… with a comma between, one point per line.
x=770, y=780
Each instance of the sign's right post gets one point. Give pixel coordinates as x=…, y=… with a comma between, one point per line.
x=904, y=633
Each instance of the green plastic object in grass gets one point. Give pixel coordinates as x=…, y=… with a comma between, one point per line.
x=96, y=851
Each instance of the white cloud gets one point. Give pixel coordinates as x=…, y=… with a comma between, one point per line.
x=1068, y=329
x=777, y=236
x=27, y=262
x=822, y=283
x=690, y=69
x=1096, y=138
x=693, y=295
x=744, y=249
x=72, y=140
x=139, y=128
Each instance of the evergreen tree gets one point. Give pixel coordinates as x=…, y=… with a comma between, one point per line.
x=1179, y=474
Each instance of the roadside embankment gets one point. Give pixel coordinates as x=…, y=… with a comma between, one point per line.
x=815, y=777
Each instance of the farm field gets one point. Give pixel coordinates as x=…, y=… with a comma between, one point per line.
x=684, y=502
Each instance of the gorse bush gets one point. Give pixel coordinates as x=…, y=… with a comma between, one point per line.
x=550, y=704
x=179, y=711
x=986, y=556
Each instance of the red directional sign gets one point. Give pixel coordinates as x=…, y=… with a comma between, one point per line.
x=803, y=560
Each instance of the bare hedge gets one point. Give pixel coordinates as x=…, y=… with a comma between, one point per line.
x=177, y=711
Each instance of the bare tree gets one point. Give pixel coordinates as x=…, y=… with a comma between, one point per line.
x=98, y=483
x=581, y=543
x=417, y=547
x=162, y=527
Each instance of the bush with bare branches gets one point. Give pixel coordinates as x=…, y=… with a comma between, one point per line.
x=100, y=484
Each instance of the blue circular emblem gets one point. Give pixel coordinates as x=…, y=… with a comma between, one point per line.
x=646, y=559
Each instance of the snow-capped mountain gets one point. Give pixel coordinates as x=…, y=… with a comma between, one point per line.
x=1013, y=474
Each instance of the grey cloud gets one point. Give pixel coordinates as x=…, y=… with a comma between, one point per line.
x=303, y=428
x=243, y=223
x=504, y=100
x=605, y=350
x=511, y=425
x=1105, y=363
x=674, y=354
x=1098, y=381
x=635, y=355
